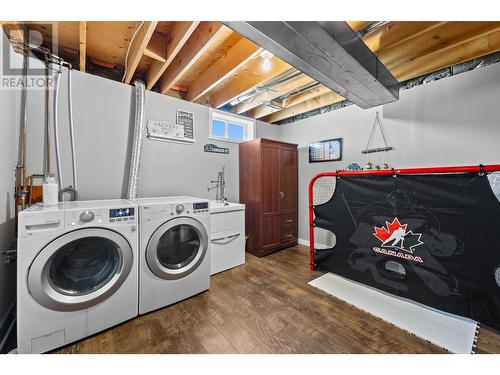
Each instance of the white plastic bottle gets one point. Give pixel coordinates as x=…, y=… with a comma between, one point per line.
x=50, y=191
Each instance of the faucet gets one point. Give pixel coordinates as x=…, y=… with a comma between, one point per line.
x=220, y=185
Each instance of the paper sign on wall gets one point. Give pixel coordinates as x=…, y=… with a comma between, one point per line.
x=186, y=119
x=163, y=130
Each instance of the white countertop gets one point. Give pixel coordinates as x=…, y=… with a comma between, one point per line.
x=216, y=207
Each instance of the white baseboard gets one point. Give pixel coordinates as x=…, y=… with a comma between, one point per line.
x=303, y=242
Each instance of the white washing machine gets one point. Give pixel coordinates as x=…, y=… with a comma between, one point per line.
x=174, y=262
x=77, y=271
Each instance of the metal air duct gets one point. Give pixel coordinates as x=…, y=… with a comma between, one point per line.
x=139, y=130
x=329, y=52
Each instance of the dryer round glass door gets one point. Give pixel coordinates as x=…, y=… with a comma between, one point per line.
x=80, y=269
x=177, y=248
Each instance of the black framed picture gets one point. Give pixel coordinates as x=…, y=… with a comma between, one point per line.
x=327, y=150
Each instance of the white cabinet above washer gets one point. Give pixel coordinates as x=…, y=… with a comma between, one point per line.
x=227, y=238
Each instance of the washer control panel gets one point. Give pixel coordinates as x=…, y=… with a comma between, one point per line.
x=117, y=215
x=85, y=217
x=97, y=216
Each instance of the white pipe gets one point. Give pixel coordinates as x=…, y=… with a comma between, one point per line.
x=72, y=130
x=56, y=127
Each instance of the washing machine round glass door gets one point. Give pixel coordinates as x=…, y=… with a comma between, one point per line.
x=177, y=248
x=80, y=269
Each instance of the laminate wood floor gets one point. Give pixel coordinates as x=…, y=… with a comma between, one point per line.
x=264, y=306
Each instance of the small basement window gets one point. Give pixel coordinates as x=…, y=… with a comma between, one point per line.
x=231, y=128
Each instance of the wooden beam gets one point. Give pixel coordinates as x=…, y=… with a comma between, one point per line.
x=397, y=33
x=313, y=92
x=356, y=25
x=179, y=35
x=450, y=55
x=196, y=45
x=247, y=80
x=446, y=36
x=239, y=55
x=13, y=29
x=277, y=90
x=309, y=105
x=137, y=47
x=82, y=35
x=157, y=47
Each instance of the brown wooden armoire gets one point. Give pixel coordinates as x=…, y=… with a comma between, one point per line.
x=268, y=188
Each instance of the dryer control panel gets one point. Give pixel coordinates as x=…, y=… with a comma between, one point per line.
x=182, y=208
x=200, y=207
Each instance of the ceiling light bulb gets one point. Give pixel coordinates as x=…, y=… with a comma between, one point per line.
x=266, y=65
x=266, y=60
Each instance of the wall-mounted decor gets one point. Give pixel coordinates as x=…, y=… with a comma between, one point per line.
x=186, y=119
x=210, y=147
x=327, y=150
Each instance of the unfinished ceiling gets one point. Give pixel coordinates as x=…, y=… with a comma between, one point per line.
x=207, y=63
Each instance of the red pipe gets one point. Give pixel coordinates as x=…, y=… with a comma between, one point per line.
x=383, y=172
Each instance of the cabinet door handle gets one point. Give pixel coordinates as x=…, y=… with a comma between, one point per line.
x=282, y=195
x=289, y=221
x=287, y=236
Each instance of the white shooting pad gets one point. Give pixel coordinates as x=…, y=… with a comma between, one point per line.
x=451, y=332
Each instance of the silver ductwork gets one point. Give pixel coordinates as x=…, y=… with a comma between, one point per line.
x=329, y=52
x=138, y=141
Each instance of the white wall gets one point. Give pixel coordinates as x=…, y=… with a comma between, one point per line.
x=454, y=121
x=9, y=132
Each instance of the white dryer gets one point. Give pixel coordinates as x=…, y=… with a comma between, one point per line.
x=174, y=261
x=77, y=271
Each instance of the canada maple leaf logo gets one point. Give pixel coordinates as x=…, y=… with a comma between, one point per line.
x=395, y=235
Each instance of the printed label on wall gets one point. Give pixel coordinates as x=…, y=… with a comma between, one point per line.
x=210, y=147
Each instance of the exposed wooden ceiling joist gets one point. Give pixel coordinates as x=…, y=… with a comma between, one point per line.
x=157, y=47
x=83, y=44
x=356, y=25
x=137, y=47
x=441, y=38
x=13, y=29
x=397, y=33
x=239, y=55
x=246, y=80
x=277, y=90
x=309, y=105
x=451, y=55
x=180, y=33
x=193, y=49
x=313, y=92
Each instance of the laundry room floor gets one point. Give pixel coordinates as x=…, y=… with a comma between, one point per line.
x=265, y=306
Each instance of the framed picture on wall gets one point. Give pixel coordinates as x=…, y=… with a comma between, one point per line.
x=327, y=150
